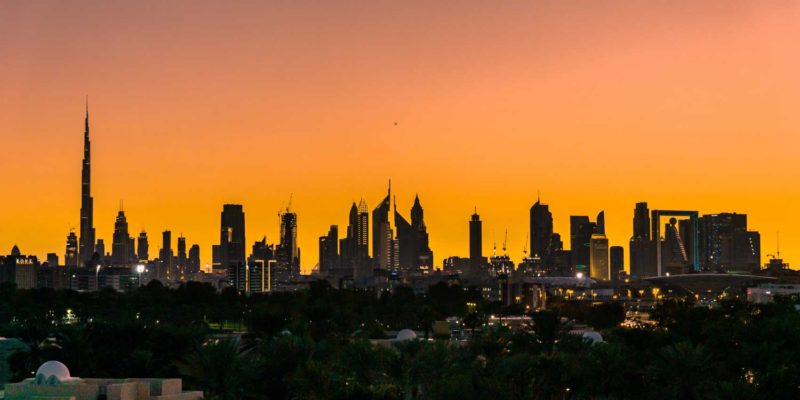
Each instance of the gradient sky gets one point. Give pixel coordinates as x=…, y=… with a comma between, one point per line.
x=684, y=104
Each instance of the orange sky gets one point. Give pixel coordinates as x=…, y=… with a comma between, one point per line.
x=684, y=104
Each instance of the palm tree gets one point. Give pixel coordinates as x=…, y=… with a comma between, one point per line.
x=683, y=370
x=217, y=367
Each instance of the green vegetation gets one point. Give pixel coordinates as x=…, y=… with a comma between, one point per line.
x=315, y=344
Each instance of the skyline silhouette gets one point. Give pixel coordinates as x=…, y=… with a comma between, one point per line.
x=686, y=106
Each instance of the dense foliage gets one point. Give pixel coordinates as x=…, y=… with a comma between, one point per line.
x=315, y=344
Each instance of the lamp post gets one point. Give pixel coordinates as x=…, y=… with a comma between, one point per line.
x=139, y=270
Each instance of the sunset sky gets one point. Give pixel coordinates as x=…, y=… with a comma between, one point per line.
x=598, y=105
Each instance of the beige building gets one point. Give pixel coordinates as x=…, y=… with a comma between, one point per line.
x=598, y=257
x=53, y=382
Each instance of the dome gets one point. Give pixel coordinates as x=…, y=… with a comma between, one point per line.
x=406, y=334
x=53, y=369
x=593, y=336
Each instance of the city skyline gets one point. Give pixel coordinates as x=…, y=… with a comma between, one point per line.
x=179, y=130
x=545, y=241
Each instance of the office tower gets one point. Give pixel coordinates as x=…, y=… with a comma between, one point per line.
x=289, y=253
x=194, y=259
x=121, y=241
x=19, y=269
x=726, y=244
x=541, y=230
x=600, y=227
x=183, y=259
x=52, y=259
x=100, y=252
x=423, y=255
x=354, y=248
x=262, y=251
x=642, y=246
x=232, y=239
x=581, y=230
x=641, y=221
x=598, y=257
x=347, y=245
x=475, y=241
x=260, y=275
x=165, y=257
x=362, y=233
x=328, y=252
x=143, y=247
x=617, y=262
x=382, y=235
x=86, y=247
x=71, y=254
x=405, y=242
x=216, y=258
x=746, y=251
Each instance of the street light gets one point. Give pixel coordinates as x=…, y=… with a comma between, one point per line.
x=139, y=270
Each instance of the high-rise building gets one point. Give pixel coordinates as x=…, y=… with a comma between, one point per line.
x=232, y=239
x=289, y=252
x=642, y=248
x=405, y=242
x=413, y=251
x=541, y=229
x=354, y=247
x=86, y=247
x=143, y=248
x=581, y=230
x=194, y=259
x=328, y=252
x=600, y=227
x=641, y=221
x=121, y=242
x=19, y=269
x=362, y=230
x=183, y=259
x=100, y=252
x=165, y=257
x=71, y=254
x=727, y=245
x=347, y=245
x=52, y=259
x=617, y=262
x=598, y=257
x=476, y=241
x=382, y=235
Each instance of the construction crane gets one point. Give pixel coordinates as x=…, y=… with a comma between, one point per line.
x=525, y=247
x=505, y=242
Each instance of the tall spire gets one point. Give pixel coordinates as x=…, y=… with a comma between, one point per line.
x=87, y=232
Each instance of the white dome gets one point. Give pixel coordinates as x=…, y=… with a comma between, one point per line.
x=593, y=336
x=53, y=368
x=406, y=334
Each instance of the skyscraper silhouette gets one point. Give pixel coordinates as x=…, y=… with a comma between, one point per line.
x=541, y=230
x=121, y=241
x=382, y=233
x=642, y=250
x=362, y=231
x=166, y=256
x=231, y=241
x=475, y=241
x=142, y=247
x=71, y=254
x=86, y=247
x=289, y=252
